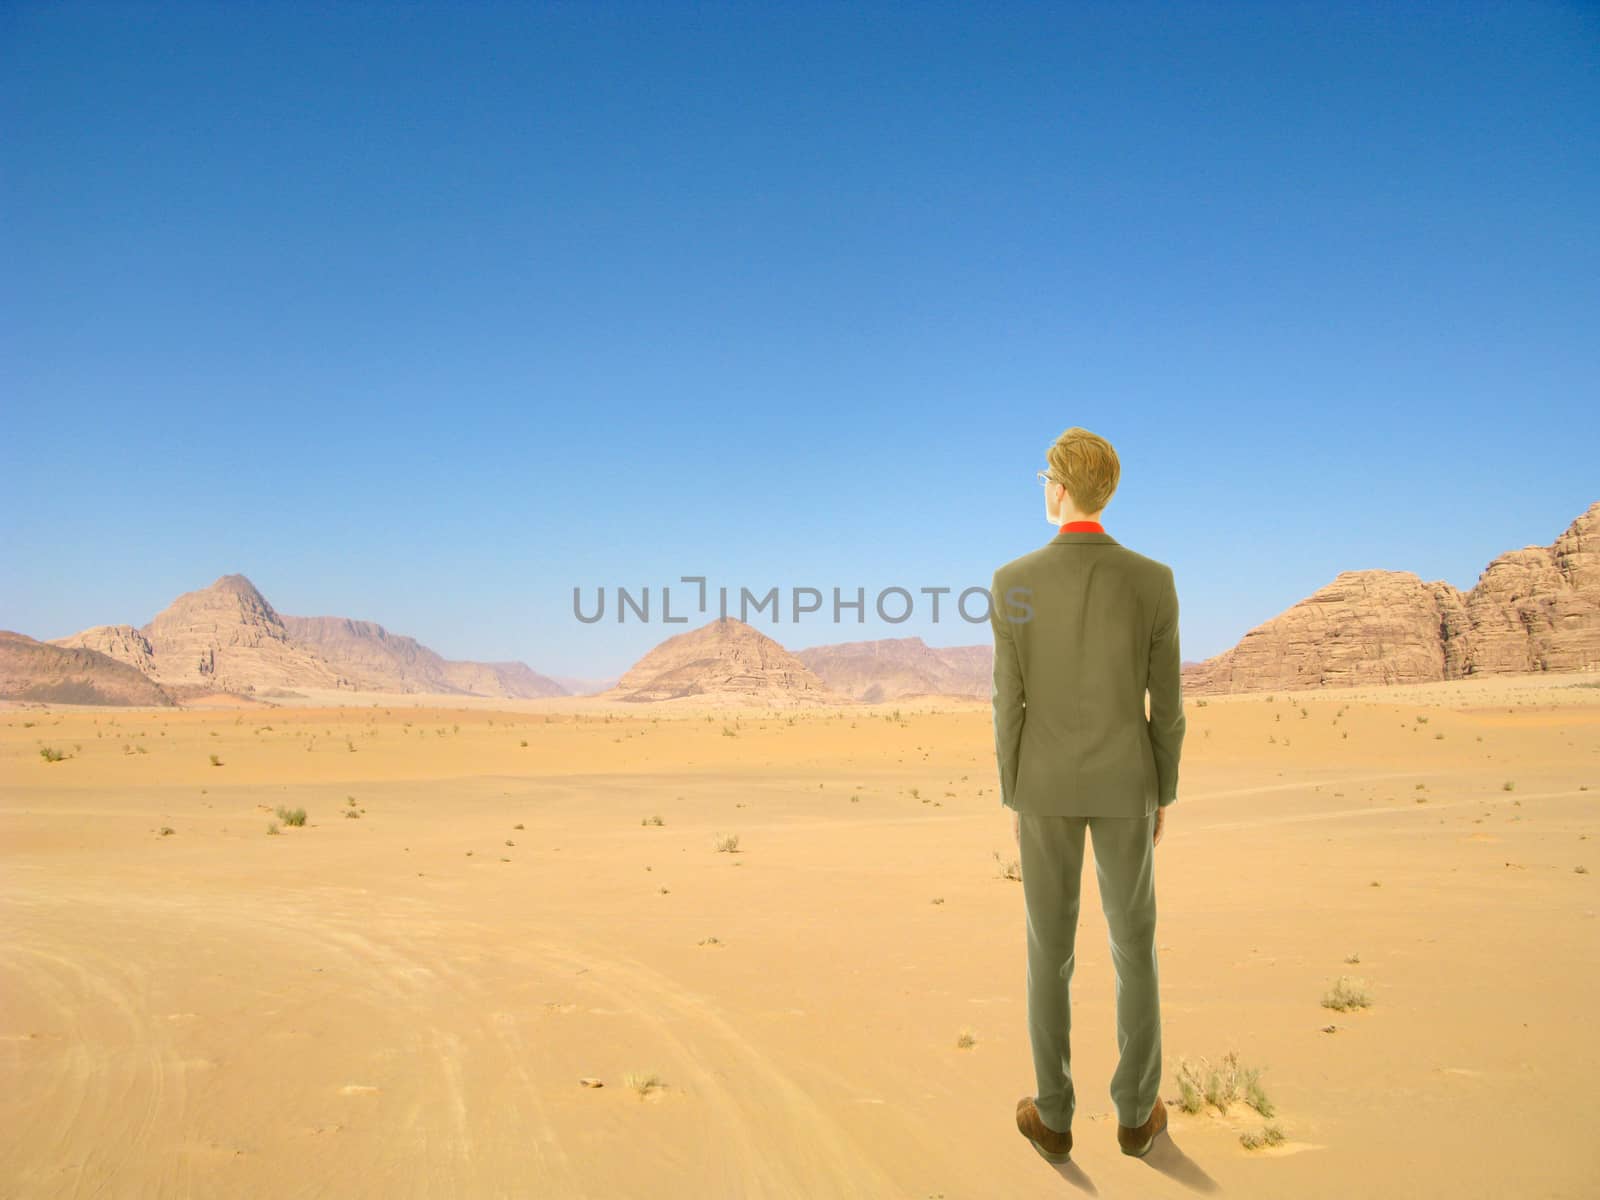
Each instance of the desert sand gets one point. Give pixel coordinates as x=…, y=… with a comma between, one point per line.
x=408, y=1002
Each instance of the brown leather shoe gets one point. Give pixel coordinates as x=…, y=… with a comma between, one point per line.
x=1057, y=1147
x=1137, y=1141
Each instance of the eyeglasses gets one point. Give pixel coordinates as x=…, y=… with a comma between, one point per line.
x=1045, y=478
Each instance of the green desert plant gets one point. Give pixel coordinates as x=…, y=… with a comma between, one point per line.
x=1347, y=993
x=1270, y=1135
x=1200, y=1083
x=291, y=816
x=1255, y=1097
x=644, y=1082
x=1189, y=1097
x=1222, y=1083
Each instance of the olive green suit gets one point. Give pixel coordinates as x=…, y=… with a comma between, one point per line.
x=1083, y=627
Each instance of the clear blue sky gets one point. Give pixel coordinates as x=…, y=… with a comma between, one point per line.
x=424, y=314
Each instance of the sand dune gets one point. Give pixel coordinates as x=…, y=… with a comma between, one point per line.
x=406, y=1003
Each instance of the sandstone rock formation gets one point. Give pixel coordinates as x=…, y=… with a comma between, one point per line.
x=1534, y=609
x=228, y=637
x=121, y=642
x=33, y=670
x=890, y=668
x=724, y=659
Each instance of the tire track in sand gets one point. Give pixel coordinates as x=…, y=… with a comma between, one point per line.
x=398, y=984
x=779, y=1129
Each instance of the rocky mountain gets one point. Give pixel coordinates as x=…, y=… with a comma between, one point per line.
x=724, y=659
x=228, y=638
x=33, y=670
x=382, y=661
x=512, y=680
x=1534, y=609
x=889, y=668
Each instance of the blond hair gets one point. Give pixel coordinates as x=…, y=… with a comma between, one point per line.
x=1088, y=467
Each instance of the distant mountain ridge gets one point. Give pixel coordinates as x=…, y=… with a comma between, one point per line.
x=890, y=668
x=228, y=638
x=367, y=651
x=1533, y=609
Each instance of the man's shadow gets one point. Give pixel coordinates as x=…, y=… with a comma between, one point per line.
x=1165, y=1156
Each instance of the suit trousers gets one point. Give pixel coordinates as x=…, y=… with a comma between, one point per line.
x=1052, y=870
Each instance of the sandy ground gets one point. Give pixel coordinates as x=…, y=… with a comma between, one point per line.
x=406, y=1003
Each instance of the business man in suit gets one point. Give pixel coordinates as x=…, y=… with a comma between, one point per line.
x=1083, y=628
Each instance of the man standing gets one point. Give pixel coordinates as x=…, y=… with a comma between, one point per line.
x=1083, y=628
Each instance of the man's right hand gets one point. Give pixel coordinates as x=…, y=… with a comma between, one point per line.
x=1161, y=823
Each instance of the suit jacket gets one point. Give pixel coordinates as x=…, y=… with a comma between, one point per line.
x=1083, y=627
